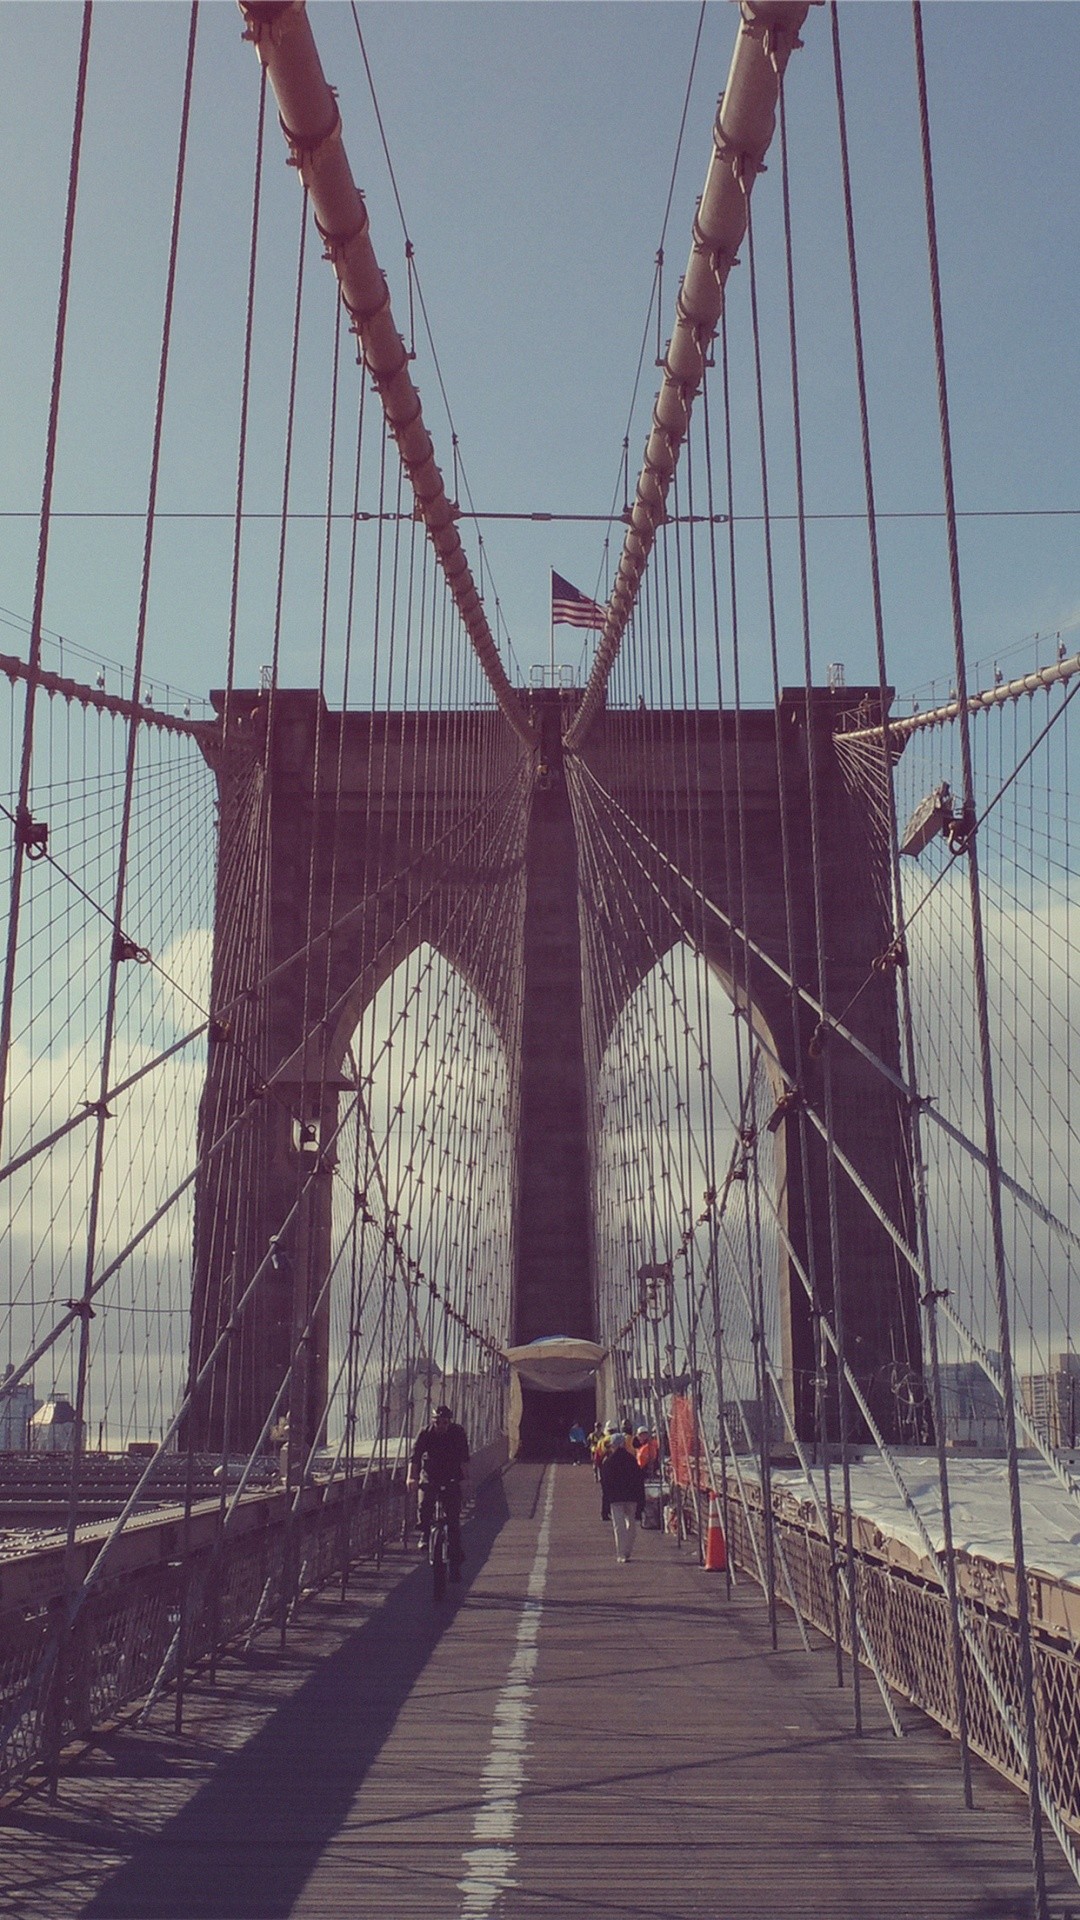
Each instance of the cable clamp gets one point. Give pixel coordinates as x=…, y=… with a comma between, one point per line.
x=219, y=1030
x=127, y=949
x=821, y=1033
x=98, y=1109
x=82, y=1309
x=773, y=40
x=31, y=835
x=744, y=167
x=894, y=955
x=335, y=244
x=306, y=150
x=959, y=828
x=933, y=1295
x=790, y=1102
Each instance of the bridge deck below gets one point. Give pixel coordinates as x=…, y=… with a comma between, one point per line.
x=569, y=1738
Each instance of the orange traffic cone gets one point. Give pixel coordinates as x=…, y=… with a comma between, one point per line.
x=715, y=1544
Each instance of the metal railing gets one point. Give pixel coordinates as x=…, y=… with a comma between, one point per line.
x=142, y=1625
x=906, y=1620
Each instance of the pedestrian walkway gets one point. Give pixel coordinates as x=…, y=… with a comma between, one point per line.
x=566, y=1739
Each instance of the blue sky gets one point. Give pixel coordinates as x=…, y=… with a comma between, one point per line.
x=533, y=147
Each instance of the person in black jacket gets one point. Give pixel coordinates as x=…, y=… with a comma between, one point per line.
x=440, y=1460
x=622, y=1485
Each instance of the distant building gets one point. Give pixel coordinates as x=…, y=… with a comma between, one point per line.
x=16, y=1408
x=1053, y=1402
x=972, y=1406
x=744, y=1423
x=52, y=1429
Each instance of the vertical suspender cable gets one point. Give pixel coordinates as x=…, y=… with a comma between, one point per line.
x=22, y=813
x=295, y=1446
x=245, y=396
x=128, y=796
x=739, y=915
x=83, y=1307
x=835, y=1262
x=919, y=1178
x=1023, y=1604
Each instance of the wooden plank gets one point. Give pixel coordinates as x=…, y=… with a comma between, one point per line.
x=673, y=1766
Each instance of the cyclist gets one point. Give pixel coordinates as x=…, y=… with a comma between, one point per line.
x=440, y=1462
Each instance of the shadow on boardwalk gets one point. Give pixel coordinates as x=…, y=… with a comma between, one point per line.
x=245, y=1844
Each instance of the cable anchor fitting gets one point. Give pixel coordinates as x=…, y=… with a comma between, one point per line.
x=822, y=1032
x=790, y=1102
x=932, y=1295
x=894, y=955
x=959, y=828
x=31, y=835
x=127, y=949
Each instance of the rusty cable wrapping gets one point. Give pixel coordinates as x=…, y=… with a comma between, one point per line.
x=745, y=121
x=282, y=36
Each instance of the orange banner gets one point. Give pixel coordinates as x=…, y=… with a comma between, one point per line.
x=684, y=1442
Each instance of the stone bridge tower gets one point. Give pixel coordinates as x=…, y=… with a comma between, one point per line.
x=333, y=829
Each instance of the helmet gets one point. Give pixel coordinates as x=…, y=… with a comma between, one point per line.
x=612, y=1426
x=449, y=1412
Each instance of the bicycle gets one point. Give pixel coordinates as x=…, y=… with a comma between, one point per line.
x=439, y=1544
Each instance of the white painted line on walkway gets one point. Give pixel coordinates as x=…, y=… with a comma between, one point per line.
x=490, y=1862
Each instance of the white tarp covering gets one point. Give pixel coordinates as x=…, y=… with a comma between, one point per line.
x=979, y=1497
x=555, y=1364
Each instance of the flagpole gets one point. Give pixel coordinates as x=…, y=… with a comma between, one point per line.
x=551, y=619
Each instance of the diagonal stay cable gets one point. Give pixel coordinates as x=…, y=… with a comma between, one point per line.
x=967, y=835
x=74, y=1310
x=220, y=1015
x=1029, y=1200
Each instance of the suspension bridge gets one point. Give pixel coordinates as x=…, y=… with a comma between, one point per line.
x=679, y=1036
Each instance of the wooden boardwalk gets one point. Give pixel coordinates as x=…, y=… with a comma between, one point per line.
x=568, y=1739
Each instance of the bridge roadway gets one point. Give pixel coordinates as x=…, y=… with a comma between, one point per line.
x=568, y=1739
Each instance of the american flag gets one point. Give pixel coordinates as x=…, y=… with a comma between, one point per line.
x=569, y=608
